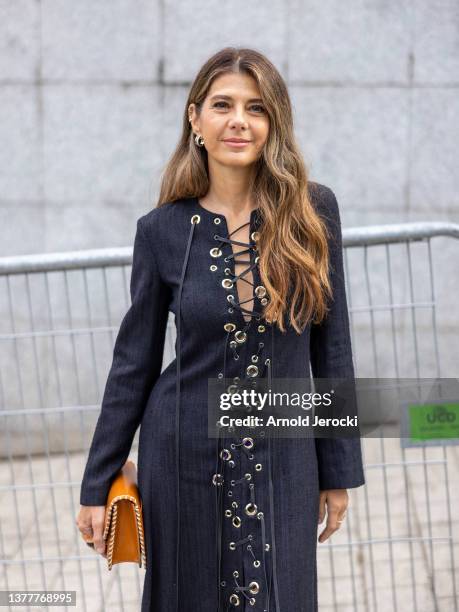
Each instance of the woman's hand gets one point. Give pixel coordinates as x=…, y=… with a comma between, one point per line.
x=90, y=522
x=337, y=501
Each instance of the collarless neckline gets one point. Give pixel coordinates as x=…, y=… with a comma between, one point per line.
x=221, y=215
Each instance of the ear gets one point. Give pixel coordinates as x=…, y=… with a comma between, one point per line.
x=192, y=115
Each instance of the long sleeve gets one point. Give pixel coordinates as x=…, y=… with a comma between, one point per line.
x=339, y=459
x=137, y=362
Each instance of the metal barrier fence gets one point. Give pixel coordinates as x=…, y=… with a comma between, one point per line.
x=59, y=317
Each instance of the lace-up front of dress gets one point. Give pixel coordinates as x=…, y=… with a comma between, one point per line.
x=244, y=501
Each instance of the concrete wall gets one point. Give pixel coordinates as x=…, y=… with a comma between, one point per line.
x=92, y=96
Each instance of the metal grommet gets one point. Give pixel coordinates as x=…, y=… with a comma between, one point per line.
x=240, y=336
x=254, y=587
x=230, y=494
x=247, y=442
x=251, y=455
x=255, y=235
x=223, y=583
x=232, y=445
x=231, y=463
x=252, y=370
x=227, y=283
x=248, y=476
x=234, y=599
x=264, y=301
x=213, y=268
x=228, y=513
x=220, y=375
x=230, y=297
x=229, y=327
x=234, y=504
x=217, y=221
x=230, y=310
x=260, y=291
x=232, y=546
x=252, y=600
x=225, y=454
x=236, y=574
x=258, y=467
x=195, y=219
x=254, y=358
x=251, y=509
x=260, y=515
x=215, y=252
x=267, y=360
x=217, y=480
x=267, y=547
x=256, y=563
x=261, y=328
x=257, y=259
x=237, y=521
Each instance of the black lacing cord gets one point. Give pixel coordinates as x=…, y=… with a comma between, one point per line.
x=260, y=515
x=177, y=405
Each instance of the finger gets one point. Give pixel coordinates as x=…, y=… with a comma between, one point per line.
x=322, y=498
x=98, y=539
x=330, y=528
x=326, y=533
x=332, y=522
x=333, y=518
x=99, y=546
x=88, y=538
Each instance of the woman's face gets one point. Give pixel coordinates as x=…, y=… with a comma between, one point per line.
x=232, y=109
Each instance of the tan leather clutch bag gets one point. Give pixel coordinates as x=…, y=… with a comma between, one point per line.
x=123, y=530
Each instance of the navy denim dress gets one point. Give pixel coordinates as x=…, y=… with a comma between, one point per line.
x=230, y=524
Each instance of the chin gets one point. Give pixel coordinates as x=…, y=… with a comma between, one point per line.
x=238, y=162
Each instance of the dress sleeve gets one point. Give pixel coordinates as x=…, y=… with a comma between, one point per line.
x=339, y=459
x=137, y=362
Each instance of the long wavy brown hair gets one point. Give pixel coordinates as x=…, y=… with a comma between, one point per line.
x=292, y=244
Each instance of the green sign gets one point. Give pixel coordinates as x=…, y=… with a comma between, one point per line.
x=433, y=421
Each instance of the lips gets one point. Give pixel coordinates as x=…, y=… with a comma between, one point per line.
x=235, y=140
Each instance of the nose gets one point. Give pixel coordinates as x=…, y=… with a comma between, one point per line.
x=238, y=117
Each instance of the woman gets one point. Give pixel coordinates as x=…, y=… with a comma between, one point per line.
x=229, y=523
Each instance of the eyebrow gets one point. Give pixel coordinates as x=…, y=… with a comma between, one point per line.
x=230, y=98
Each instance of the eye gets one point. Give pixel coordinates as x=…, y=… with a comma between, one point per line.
x=259, y=106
